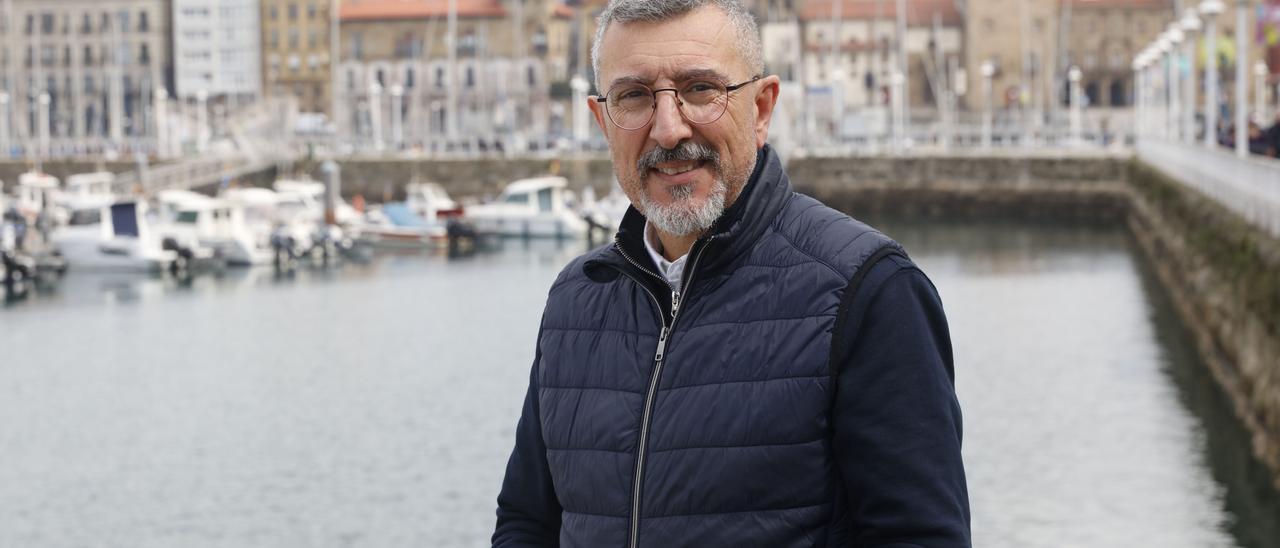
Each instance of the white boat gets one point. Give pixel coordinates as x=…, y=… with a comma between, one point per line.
x=88, y=188
x=531, y=208
x=36, y=192
x=115, y=237
x=306, y=199
x=430, y=202
x=263, y=220
x=200, y=222
x=397, y=225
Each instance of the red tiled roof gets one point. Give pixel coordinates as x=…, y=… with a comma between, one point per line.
x=562, y=11
x=919, y=12
x=371, y=10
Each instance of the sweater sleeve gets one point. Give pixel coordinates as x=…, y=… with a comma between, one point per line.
x=896, y=419
x=528, y=510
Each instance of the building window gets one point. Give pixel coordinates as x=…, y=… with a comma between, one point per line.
x=439, y=77
x=86, y=24
x=105, y=23
x=144, y=54
x=273, y=13
x=357, y=46
x=381, y=81
x=351, y=80
x=124, y=21
x=471, y=77
x=313, y=38
x=274, y=40
x=408, y=77
x=293, y=38
x=46, y=23
x=293, y=11
x=311, y=11
x=143, y=25
x=66, y=56
x=88, y=56
x=531, y=76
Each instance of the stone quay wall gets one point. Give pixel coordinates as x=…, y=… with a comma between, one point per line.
x=10, y=170
x=383, y=179
x=1223, y=276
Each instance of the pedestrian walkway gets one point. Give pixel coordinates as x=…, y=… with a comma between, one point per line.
x=1248, y=186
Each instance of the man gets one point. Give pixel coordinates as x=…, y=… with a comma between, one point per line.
x=742, y=366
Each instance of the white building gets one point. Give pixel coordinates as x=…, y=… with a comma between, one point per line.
x=216, y=48
x=79, y=76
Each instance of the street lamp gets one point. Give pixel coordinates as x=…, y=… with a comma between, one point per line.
x=43, y=121
x=1139, y=100
x=897, y=82
x=161, y=108
x=1174, y=58
x=1190, y=24
x=1210, y=10
x=1163, y=46
x=202, y=120
x=4, y=124
x=397, y=133
x=1242, y=77
x=988, y=71
x=1260, y=92
x=1074, y=75
x=375, y=114
x=579, y=86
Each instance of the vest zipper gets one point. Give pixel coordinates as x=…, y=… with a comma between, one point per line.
x=658, y=357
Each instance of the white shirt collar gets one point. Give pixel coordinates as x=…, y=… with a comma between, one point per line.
x=673, y=271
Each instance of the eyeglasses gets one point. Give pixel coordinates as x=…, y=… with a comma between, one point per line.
x=631, y=106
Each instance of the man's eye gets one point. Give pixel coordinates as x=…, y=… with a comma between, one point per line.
x=631, y=94
x=699, y=87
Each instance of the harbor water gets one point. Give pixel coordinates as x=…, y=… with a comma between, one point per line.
x=374, y=405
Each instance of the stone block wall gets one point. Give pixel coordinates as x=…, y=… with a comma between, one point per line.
x=1223, y=276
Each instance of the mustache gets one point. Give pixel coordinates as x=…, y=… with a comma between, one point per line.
x=684, y=152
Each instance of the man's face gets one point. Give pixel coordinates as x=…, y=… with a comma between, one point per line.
x=682, y=175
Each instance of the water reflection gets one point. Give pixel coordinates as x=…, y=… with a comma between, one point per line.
x=373, y=404
x=1089, y=420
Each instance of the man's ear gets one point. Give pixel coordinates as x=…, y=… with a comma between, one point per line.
x=597, y=111
x=765, y=100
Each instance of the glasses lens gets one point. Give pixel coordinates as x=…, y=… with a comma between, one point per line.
x=703, y=101
x=630, y=106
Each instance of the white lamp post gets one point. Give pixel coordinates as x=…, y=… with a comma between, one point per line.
x=1140, y=101
x=1190, y=26
x=160, y=97
x=1174, y=58
x=579, y=86
x=42, y=122
x=1211, y=9
x=397, y=131
x=988, y=71
x=375, y=114
x=1165, y=90
x=1260, y=92
x=4, y=124
x=202, y=120
x=1074, y=75
x=1242, y=78
x=896, y=83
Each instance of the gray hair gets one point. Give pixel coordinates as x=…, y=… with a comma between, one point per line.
x=651, y=11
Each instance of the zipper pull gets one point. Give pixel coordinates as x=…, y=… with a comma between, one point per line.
x=662, y=345
x=675, y=303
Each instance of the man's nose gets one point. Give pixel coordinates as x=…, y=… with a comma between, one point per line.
x=669, y=126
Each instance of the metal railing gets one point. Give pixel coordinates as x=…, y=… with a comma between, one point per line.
x=1249, y=186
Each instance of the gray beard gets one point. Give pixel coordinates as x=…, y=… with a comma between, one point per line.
x=683, y=217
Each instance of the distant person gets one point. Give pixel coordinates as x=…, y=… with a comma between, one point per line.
x=743, y=366
x=1272, y=137
x=1257, y=140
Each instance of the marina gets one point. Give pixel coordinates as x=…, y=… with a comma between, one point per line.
x=373, y=404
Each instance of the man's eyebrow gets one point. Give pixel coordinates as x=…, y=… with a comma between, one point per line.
x=700, y=74
x=682, y=76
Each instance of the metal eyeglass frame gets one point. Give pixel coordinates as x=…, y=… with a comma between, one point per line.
x=679, y=104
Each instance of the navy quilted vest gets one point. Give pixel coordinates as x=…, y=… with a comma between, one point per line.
x=725, y=440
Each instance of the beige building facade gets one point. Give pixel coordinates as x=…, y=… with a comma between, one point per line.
x=295, y=52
